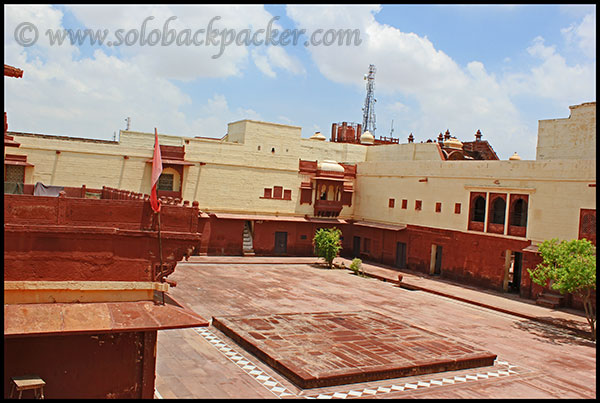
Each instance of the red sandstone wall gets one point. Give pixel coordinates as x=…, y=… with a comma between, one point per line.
x=299, y=238
x=34, y=254
x=59, y=238
x=483, y=265
x=205, y=229
x=226, y=236
x=474, y=259
x=108, y=365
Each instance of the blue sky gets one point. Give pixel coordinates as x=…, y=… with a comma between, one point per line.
x=499, y=69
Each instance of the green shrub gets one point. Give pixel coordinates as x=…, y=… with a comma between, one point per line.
x=327, y=244
x=356, y=266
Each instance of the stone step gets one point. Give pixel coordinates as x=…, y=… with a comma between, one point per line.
x=546, y=303
x=553, y=297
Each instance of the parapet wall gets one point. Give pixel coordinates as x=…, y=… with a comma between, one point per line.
x=570, y=138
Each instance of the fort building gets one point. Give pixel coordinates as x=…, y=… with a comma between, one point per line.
x=447, y=207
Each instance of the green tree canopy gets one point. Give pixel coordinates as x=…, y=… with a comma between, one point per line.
x=569, y=267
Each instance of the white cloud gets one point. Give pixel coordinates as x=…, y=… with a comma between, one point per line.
x=583, y=34
x=553, y=78
x=262, y=62
x=64, y=94
x=215, y=115
x=275, y=57
x=446, y=95
x=183, y=62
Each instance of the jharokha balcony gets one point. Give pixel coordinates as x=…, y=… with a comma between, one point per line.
x=328, y=208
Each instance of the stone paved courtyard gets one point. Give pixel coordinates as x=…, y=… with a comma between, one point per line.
x=534, y=360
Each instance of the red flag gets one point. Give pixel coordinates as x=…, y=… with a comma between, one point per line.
x=156, y=171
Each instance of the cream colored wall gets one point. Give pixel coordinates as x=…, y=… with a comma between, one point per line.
x=225, y=176
x=405, y=152
x=557, y=190
x=570, y=138
x=312, y=150
x=282, y=138
x=93, y=164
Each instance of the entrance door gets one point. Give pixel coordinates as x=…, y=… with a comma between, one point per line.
x=356, y=246
x=438, y=260
x=400, y=255
x=280, y=243
x=515, y=283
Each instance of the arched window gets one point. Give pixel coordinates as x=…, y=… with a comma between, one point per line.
x=498, y=211
x=519, y=214
x=330, y=193
x=479, y=209
x=323, y=192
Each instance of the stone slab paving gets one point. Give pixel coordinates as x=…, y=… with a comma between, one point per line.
x=534, y=360
x=502, y=302
x=335, y=348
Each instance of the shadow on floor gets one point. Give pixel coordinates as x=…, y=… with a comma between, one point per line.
x=506, y=295
x=550, y=334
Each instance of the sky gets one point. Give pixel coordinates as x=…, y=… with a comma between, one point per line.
x=462, y=68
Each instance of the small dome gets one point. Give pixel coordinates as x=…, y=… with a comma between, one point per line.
x=330, y=165
x=454, y=143
x=515, y=157
x=367, y=138
x=317, y=136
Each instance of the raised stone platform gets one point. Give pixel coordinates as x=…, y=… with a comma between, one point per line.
x=334, y=348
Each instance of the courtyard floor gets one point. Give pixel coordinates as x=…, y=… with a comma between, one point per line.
x=534, y=358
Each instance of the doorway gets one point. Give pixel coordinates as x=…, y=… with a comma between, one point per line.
x=280, y=243
x=356, y=246
x=514, y=273
x=401, y=255
x=435, y=264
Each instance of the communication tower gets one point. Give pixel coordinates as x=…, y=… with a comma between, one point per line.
x=369, y=108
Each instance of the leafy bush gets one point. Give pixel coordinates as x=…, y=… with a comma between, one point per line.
x=327, y=244
x=356, y=267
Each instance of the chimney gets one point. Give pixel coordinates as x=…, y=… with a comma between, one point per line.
x=342, y=135
x=333, y=131
x=478, y=135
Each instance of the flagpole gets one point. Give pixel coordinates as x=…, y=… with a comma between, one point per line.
x=155, y=203
x=160, y=254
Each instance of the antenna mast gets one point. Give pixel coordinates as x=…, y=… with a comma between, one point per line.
x=369, y=108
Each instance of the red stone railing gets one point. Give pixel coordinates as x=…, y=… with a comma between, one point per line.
x=327, y=208
x=116, y=237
